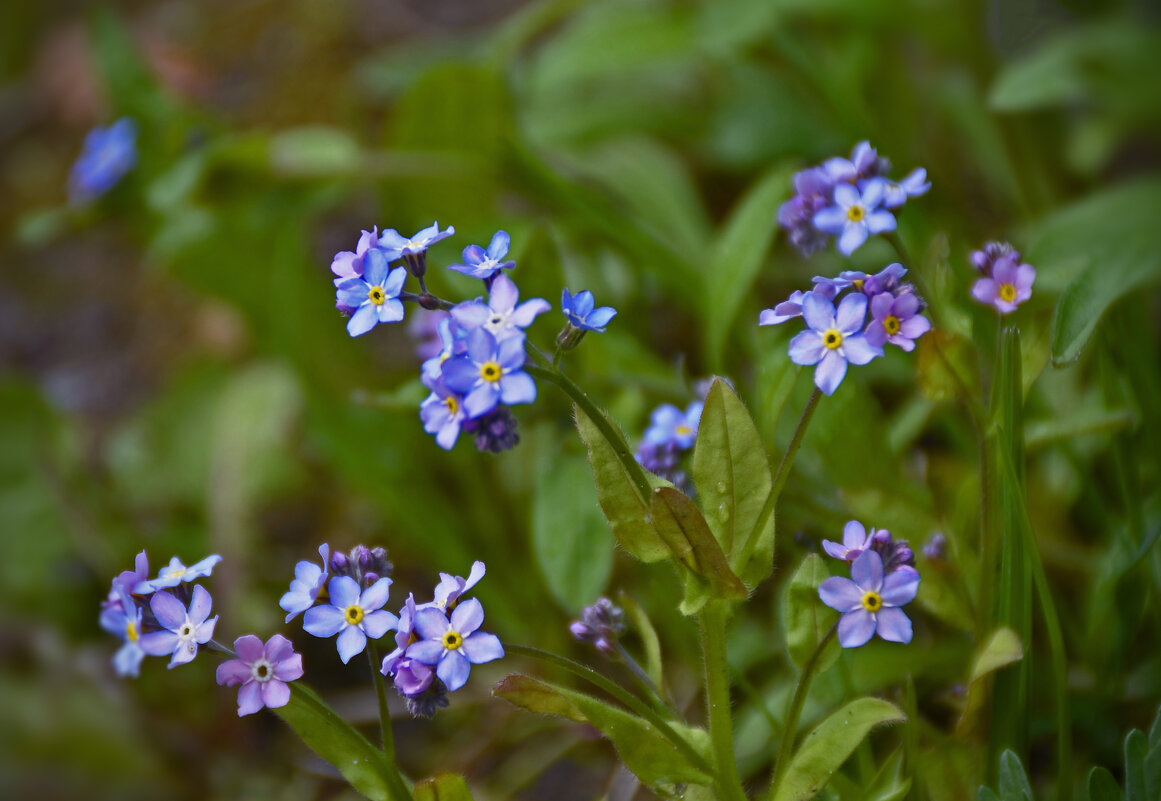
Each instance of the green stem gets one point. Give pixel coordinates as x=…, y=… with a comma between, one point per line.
x=645, y=682
x=717, y=687
x=395, y=778
x=780, y=479
x=624, y=453
x=786, y=748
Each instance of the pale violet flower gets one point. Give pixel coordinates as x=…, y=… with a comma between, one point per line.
x=832, y=339
x=870, y=601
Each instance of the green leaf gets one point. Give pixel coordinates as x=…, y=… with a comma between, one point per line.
x=1102, y=786
x=806, y=618
x=1103, y=248
x=315, y=150
x=648, y=636
x=643, y=749
x=443, y=787
x=569, y=536
x=1001, y=649
x=733, y=480
x=626, y=511
x=1013, y=781
x=1136, y=747
x=827, y=747
x=339, y=743
x=738, y=254
x=682, y=527
x=129, y=83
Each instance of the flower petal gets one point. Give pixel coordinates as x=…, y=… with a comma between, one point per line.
x=289, y=669
x=430, y=624
x=275, y=693
x=343, y=591
x=894, y=625
x=503, y=295
x=168, y=610
x=323, y=621
x=855, y=628
x=806, y=348
x=379, y=623
x=467, y=617
x=426, y=651
x=830, y=372
x=867, y=571
x=858, y=350
x=498, y=247
x=900, y=587
x=199, y=605
x=880, y=222
x=482, y=647
x=351, y=641
x=517, y=388
x=363, y=320
x=278, y=649
x=526, y=312
x=831, y=220
x=249, y=698
x=852, y=237
x=453, y=670
x=841, y=594
x=376, y=595
x=249, y=649
x=232, y=672
x=854, y=535
x=852, y=311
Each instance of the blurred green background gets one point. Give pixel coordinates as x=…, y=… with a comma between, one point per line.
x=174, y=377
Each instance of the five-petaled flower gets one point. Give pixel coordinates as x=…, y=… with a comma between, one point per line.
x=453, y=645
x=375, y=295
x=413, y=250
x=262, y=670
x=833, y=339
x=185, y=629
x=870, y=601
x=309, y=579
x=490, y=373
x=351, y=615
x=855, y=215
x=856, y=539
x=670, y=424
x=896, y=319
x=175, y=573
x=124, y=620
x=1009, y=284
x=581, y=311
x=500, y=316
x=479, y=263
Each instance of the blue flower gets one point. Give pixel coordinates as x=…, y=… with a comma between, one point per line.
x=863, y=163
x=886, y=280
x=175, y=573
x=450, y=587
x=124, y=620
x=347, y=264
x=914, y=185
x=351, y=615
x=442, y=412
x=414, y=250
x=185, y=629
x=832, y=339
x=108, y=154
x=454, y=645
x=374, y=296
x=855, y=541
x=490, y=373
x=855, y=215
x=309, y=580
x=451, y=340
x=479, y=263
x=500, y=317
x=128, y=580
x=581, y=314
x=869, y=601
x=670, y=424
x=263, y=669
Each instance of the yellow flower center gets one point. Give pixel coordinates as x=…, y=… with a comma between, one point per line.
x=452, y=404
x=856, y=213
x=491, y=372
x=858, y=284
x=891, y=324
x=872, y=601
x=377, y=295
x=452, y=640
x=684, y=430
x=353, y=614
x=1007, y=292
x=832, y=338
x=131, y=631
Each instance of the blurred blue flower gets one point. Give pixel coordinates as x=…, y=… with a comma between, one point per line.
x=375, y=295
x=263, y=670
x=870, y=601
x=896, y=319
x=451, y=339
x=442, y=412
x=886, y=280
x=175, y=573
x=454, y=645
x=490, y=373
x=814, y=189
x=854, y=215
x=479, y=263
x=351, y=615
x=185, y=629
x=833, y=339
x=863, y=163
x=1008, y=285
x=895, y=194
x=500, y=316
x=108, y=154
x=580, y=311
x=670, y=424
x=124, y=621
x=309, y=579
x=128, y=580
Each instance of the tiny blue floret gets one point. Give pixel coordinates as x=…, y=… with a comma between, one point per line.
x=108, y=154
x=580, y=311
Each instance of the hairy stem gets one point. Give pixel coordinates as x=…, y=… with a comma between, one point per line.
x=717, y=689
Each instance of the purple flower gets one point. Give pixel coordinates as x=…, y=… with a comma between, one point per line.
x=414, y=250
x=914, y=185
x=347, y=265
x=490, y=373
x=127, y=580
x=869, y=601
x=833, y=339
x=863, y=163
x=450, y=587
x=670, y=424
x=601, y=623
x=1009, y=285
x=352, y=616
x=886, y=280
x=786, y=310
x=454, y=645
x=375, y=295
x=896, y=554
x=500, y=317
x=175, y=573
x=309, y=579
x=479, y=263
x=855, y=541
x=108, y=154
x=410, y=676
x=581, y=314
x=442, y=413
x=262, y=670
x=985, y=258
x=854, y=215
x=896, y=319
x=124, y=621
x=936, y=547
x=814, y=191
x=185, y=629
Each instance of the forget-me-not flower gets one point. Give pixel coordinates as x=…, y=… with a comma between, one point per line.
x=490, y=373
x=856, y=539
x=442, y=412
x=863, y=163
x=870, y=601
x=451, y=339
x=453, y=645
x=896, y=319
x=855, y=215
x=410, y=676
x=128, y=580
x=450, y=587
x=263, y=670
x=309, y=579
x=833, y=339
x=413, y=250
x=349, y=264
x=500, y=316
x=1009, y=284
x=175, y=573
x=351, y=615
x=480, y=263
x=124, y=621
x=582, y=314
x=186, y=629
x=670, y=424
x=108, y=154
x=375, y=295
x=895, y=194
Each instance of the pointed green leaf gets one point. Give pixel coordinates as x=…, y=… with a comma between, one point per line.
x=806, y=618
x=688, y=536
x=1001, y=649
x=1013, y=781
x=626, y=510
x=336, y=741
x=733, y=480
x=654, y=759
x=827, y=747
x=443, y=787
x=1102, y=786
x=1136, y=746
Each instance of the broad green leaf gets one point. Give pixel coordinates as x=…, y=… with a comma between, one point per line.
x=655, y=760
x=1002, y=648
x=806, y=618
x=682, y=527
x=1102, y=786
x=648, y=636
x=1013, y=780
x=1099, y=249
x=339, y=743
x=443, y=787
x=314, y=150
x=738, y=254
x=827, y=747
x=626, y=511
x=569, y=536
x=733, y=480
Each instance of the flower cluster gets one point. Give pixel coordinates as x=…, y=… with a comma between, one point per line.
x=1005, y=283
x=842, y=335
x=671, y=432
x=108, y=154
x=601, y=623
x=848, y=198
x=883, y=578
